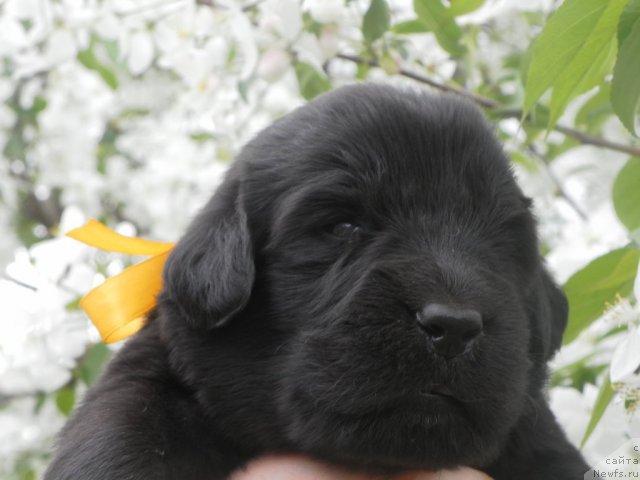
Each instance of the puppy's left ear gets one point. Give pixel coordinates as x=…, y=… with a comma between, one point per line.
x=549, y=311
x=210, y=272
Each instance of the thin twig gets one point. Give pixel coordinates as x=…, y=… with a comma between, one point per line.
x=149, y=7
x=485, y=102
x=212, y=3
x=585, y=138
x=557, y=183
x=19, y=283
x=490, y=104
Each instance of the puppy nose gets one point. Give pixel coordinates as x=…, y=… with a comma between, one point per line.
x=450, y=330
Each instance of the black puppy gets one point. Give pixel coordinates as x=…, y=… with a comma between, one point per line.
x=365, y=288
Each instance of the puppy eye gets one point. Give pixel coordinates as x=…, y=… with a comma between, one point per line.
x=346, y=230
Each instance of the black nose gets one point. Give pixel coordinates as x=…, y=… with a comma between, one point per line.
x=449, y=329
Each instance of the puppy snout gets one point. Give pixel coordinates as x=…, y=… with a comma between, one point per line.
x=450, y=330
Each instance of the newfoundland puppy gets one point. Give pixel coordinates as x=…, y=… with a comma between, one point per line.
x=364, y=288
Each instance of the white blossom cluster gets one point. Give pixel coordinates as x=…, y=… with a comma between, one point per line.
x=140, y=107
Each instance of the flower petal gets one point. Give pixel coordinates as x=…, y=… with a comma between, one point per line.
x=636, y=285
x=626, y=358
x=141, y=53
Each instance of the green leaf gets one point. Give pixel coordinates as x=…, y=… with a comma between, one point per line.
x=24, y=468
x=578, y=374
x=410, y=26
x=626, y=194
x=376, y=21
x=598, y=284
x=202, y=137
x=28, y=474
x=65, y=399
x=310, y=81
x=462, y=7
x=73, y=305
x=389, y=64
x=436, y=17
x=605, y=395
x=362, y=71
x=630, y=15
x=591, y=62
x=92, y=363
x=625, y=86
x=564, y=35
x=578, y=79
x=111, y=47
x=15, y=148
x=39, y=104
x=595, y=111
x=90, y=61
x=524, y=161
x=41, y=398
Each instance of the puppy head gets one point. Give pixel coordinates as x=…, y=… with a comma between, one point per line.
x=365, y=286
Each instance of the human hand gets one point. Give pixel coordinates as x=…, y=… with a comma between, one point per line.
x=296, y=467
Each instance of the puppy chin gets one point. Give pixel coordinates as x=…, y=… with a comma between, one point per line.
x=432, y=432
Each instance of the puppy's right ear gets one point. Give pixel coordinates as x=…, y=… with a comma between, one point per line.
x=210, y=272
x=548, y=313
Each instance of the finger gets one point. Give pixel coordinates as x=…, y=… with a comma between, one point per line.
x=463, y=474
x=291, y=467
x=458, y=474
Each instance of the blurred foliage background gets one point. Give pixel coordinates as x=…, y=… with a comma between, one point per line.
x=130, y=111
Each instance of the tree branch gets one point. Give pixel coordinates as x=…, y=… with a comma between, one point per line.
x=557, y=183
x=490, y=104
x=18, y=282
x=585, y=138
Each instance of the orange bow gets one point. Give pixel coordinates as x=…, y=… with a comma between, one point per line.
x=118, y=306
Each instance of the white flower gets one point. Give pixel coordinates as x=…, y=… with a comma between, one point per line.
x=52, y=257
x=31, y=89
x=60, y=47
x=22, y=432
x=244, y=35
x=283, y=17
x=273, y=64
x=108, y=26
x=626, y=357
x=39, y=339
x=12, y=36
x=6, y=89
x=329, y=41
x=326, y=11
x=23, y=9
x=573, y=410
x=204, y=22
x=309, y=51
x=140, y=52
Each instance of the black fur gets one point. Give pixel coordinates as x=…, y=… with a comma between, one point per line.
x=277, y=333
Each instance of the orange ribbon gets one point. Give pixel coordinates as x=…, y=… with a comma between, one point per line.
x=118, y=306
